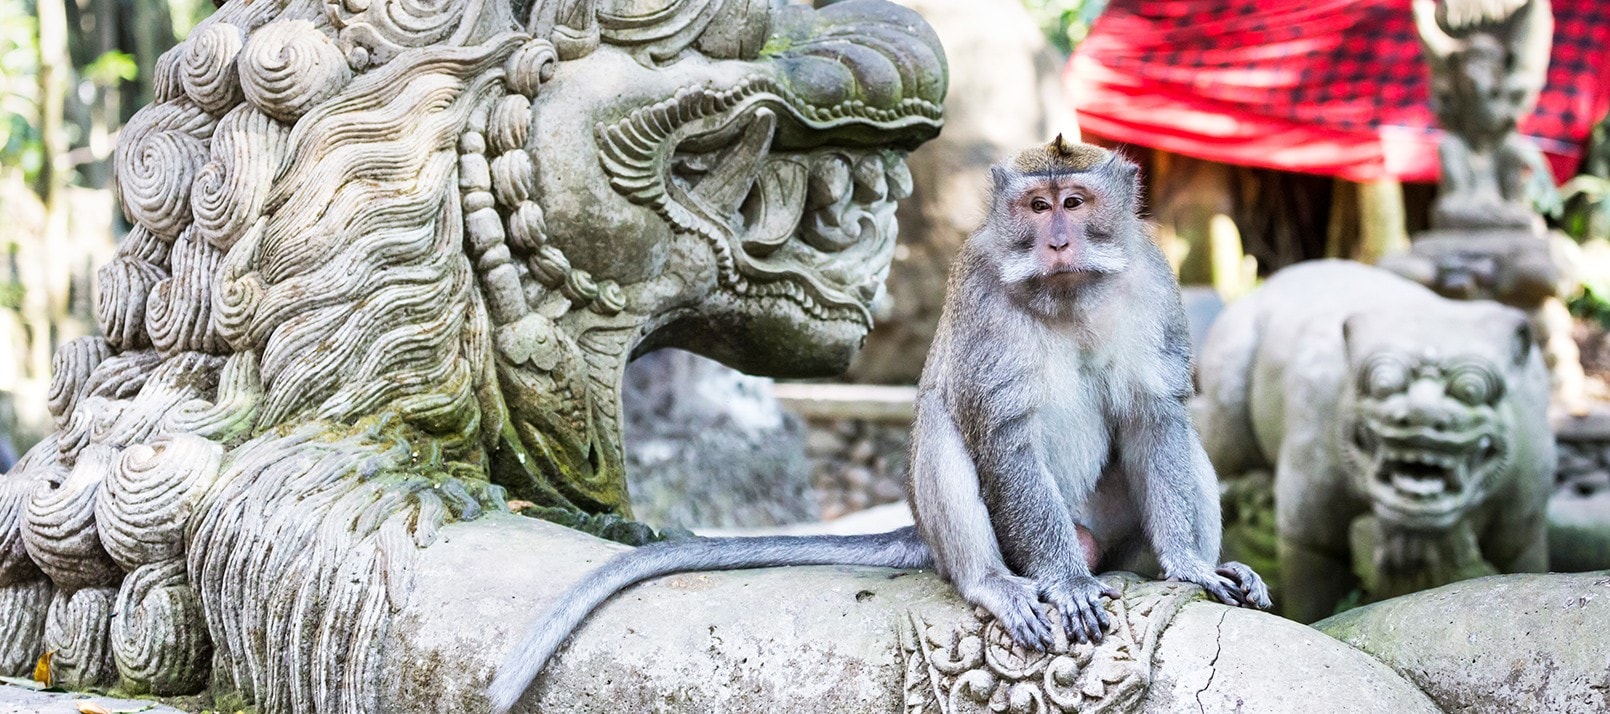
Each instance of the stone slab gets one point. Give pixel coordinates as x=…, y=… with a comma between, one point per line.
x=1219, y=659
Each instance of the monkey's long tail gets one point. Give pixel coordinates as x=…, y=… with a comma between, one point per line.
x=900, y=548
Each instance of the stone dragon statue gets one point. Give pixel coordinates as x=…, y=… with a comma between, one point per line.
x=389, y=259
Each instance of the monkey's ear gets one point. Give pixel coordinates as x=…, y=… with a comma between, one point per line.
x=1128, y=169
x=1000, y=177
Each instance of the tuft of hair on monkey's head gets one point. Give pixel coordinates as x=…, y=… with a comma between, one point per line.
x=1060, y=157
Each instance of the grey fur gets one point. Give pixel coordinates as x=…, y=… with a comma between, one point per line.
x=899, y=548
x=1041, y=405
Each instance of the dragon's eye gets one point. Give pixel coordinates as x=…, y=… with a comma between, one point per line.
x=1040, y=205
x=1384, y=376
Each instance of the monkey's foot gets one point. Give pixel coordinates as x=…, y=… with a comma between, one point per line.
x=1078, y=600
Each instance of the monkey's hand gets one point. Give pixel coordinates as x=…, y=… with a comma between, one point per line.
x=1253, y=592
x=1232, y=583
x=1011, y=599
x=1078, y=599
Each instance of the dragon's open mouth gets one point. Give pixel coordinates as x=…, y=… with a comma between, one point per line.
x=730, y=165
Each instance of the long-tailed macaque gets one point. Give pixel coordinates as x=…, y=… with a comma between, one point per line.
x=1051, y=431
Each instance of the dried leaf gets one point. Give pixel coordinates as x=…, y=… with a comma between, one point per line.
x=89, y=707
x=518, y=505
x=42, y=670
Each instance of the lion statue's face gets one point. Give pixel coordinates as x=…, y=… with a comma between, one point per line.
x=1426, y=428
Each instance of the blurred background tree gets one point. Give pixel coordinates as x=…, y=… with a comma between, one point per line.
x=71, y=73
x=1065, y=22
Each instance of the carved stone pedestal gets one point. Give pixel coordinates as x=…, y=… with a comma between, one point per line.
x=1579, y=510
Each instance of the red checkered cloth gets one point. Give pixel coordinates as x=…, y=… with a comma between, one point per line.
x=1334, y=87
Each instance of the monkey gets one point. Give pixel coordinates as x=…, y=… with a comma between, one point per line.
x=1051, y=435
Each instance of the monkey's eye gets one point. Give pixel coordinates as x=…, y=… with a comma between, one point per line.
x=1040, y=205
x=1073, y=202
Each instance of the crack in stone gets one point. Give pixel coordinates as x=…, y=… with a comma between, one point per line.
x=1218, y=648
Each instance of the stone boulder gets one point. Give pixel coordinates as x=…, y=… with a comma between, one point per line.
x=1507, y=643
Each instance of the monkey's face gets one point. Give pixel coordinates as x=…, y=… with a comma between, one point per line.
x=1425, y=428
x=1061, y=231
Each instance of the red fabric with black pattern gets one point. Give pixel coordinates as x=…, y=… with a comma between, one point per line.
x=1334, y=87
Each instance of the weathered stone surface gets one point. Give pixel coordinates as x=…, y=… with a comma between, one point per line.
x=18, y=700
x=1215, y=659
x=1579, y=531
x=837, y=639
x=1579, y=510
x=1202, y=307
x=1538, y=648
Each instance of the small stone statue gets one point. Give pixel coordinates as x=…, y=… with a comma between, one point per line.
x=1489, y=60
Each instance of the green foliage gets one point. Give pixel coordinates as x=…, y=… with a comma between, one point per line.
x=11, y=294
x=20, y=145
x=111, y=68
x=1593, y=301
x=1065, y=22
x=1585, y=216
x=1586, y=213
x=187, y=14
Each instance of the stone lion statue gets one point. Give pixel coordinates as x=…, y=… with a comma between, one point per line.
x=389, y=258
x=1408, y=433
